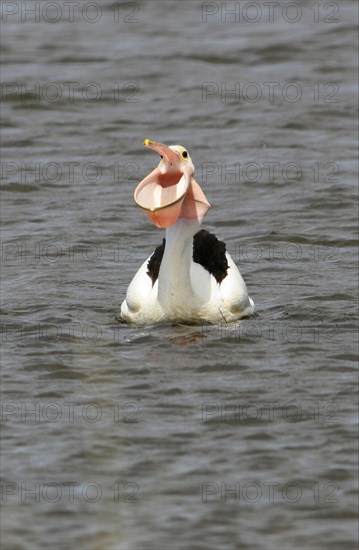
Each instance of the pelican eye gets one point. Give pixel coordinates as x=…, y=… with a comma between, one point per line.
x=184, y=154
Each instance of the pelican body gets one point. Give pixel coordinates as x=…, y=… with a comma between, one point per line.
x=190, y=278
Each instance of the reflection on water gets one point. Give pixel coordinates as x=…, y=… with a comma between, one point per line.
x=237, y=436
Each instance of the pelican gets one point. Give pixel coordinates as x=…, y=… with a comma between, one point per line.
x=190, y=278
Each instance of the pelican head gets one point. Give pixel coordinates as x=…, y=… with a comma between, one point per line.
x=173, y=158
x=170, y=191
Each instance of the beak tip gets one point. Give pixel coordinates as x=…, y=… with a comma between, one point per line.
x=147, y=142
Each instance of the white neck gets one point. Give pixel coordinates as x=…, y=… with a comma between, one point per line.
x=174, y=280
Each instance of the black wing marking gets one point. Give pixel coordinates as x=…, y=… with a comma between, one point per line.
x=154, y=263
x=211, y=254
x=208, y=251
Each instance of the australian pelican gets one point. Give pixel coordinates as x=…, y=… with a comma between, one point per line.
x=189, y=278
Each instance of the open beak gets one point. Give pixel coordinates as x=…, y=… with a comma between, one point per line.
x=170, y=156
x=170, y=191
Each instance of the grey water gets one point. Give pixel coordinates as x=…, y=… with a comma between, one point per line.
x=178, y=437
